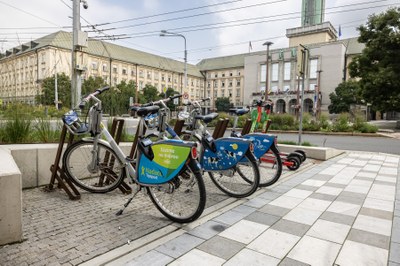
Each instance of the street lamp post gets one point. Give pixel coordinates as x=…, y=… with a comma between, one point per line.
x=268, y=44
x=165, y=33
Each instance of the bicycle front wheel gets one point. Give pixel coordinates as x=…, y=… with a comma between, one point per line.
x=96, y=174
x=183, y=199
x=240, y=181
x=270, y=167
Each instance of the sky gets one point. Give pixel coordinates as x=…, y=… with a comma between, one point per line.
x=212, y=28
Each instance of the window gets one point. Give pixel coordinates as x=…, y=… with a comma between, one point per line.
x=238, y=73
x=124, y=71
x=115, y=69
x=237, y=92
x=313, y=68
x=94, y=65
x=230, y=74
x=215, y=84
x=222, y=93
x=216, y=75
x=133, y=73
x=286, y=74
x=262, y=73
x=141, y=85
x=238, y=82
x=312, y=87
x=230, y=83
x=149, y=74
x=104, y=68
x=223, y=75
x=223, y=84
x=208, y=84
x=156, y=75
x=286, y=88
x=275, y=72
x=141, y=74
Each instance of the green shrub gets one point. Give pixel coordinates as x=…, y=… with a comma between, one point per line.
x=309, y=124
x=17, y=130
x=324, y=123
x=282, y=122
x=342, y=123
x=44, y=132
x=221, y=115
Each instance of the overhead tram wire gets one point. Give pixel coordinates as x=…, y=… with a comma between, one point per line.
x=198, y=15
x=214, y=25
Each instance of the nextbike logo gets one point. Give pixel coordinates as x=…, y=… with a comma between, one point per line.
x=150, y=173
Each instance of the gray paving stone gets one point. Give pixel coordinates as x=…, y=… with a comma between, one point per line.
x=221, y=247
x=243, y=209
x=305, y=187
x=180, y=245
x=230, y=217
x=380, y=182
x=322, y=196
x=338, y=218
x=208, y=229
x=394, y=254
x=322, y=177
x=369, y=238
x=377, y=213
x=291, y=262
x=329, y=184
x=270, y=195
x=351, y=197
x=274, y=210
x=291, y=227
x=151, y=258
x=257, y=202
x=396, y=229
x=263, y=218
x=391, y=263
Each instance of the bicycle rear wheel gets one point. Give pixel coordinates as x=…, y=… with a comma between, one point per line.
x=240, y=181
x=107, y=173
x=270, y=168
x=183, y=199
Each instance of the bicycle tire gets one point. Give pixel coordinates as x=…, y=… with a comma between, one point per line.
x=242, y=181
x=183, y=199
x=270, y=166
x=107, y=177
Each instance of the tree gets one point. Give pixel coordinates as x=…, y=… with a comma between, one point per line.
x=223, y=104
x=150, y=93
x=48, y=90
x=346, y=93
x=90, y=84
x=378, y=66
x=168, y=93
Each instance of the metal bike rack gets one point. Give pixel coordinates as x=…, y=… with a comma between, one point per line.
x=178, y=126
x=246, y=127
x=57, y=172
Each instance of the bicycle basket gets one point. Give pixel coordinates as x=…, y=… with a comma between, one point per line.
x=74, y=124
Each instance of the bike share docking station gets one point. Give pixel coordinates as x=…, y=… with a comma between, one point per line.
x=57, y=171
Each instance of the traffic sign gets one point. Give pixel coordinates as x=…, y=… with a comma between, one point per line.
x=185, y=95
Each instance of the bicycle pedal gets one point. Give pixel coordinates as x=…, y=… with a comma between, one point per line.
x=185, y=175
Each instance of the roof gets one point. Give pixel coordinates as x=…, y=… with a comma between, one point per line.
x=62, y=39
x=231, y=61
x=353, y=46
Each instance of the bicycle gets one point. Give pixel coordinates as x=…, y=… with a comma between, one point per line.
x=167, y=169
x=227, y=160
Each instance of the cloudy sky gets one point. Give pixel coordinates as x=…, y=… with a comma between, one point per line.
x=212, y=27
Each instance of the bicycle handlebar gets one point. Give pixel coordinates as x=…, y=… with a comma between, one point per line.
x=162, y=100
x=91, y=95
x=197, y=102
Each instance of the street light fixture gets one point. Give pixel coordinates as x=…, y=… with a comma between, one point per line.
x=268, y=44
x=165, y=33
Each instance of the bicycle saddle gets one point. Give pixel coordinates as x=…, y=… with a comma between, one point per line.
x=143, y=111
x=239, y=112
x=206, y=118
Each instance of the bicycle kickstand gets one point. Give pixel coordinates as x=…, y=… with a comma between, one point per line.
x=128, y=202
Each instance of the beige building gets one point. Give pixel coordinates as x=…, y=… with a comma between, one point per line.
x=23, y=68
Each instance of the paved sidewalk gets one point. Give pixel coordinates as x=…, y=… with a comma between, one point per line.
x=345, y=211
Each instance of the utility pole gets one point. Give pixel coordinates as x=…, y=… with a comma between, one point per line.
x=302, y=60
x=79, y=39
x=268, y=44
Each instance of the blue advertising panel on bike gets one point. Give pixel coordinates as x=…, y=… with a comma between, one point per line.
x=262, y=143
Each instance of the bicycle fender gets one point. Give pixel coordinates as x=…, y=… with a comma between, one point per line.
x=262, y=143
x=228, y=152
x=169, y=159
